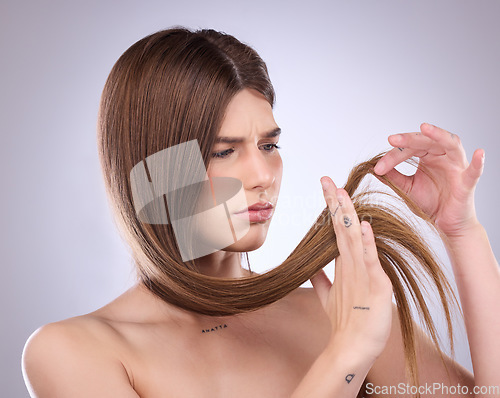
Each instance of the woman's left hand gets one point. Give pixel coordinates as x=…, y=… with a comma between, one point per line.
x=449, y=202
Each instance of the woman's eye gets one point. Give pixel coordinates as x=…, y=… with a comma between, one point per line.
x=227, y=152
x=222, y=154
x=271, y=147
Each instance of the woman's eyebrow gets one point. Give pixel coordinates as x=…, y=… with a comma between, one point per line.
x=235, y=140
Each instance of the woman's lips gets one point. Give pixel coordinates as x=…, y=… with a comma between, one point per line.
x=256, y=215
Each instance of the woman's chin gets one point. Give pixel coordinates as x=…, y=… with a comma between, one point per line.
x=254, y=238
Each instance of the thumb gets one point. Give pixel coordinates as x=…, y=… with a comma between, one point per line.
x=322, y=286
x=402, y=181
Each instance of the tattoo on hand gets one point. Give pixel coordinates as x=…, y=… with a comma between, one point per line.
x=347, y=222
x=361, y=308
x=349, y=377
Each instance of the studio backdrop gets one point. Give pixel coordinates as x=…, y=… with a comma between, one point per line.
x=346, y=75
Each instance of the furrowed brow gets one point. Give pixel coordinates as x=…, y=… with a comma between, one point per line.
x=236, y=140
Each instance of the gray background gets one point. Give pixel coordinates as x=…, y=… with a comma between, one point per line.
x=347, y=74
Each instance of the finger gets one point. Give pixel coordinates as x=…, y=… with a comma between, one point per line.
x=374, y=269
x=322, y=286
x=430, y=140
x=449, y=142
x=402, y=181
x=369, y=248
x=335, y=207
x=396, y=156
x=475, y=169
x=352, y=231
x=329, y=187
x=415, y=141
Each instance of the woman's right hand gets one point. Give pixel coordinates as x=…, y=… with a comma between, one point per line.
x=359, y=303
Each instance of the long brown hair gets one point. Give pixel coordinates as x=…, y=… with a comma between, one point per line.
x=173, y=86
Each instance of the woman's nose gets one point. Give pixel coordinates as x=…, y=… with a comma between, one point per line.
x=258, y=170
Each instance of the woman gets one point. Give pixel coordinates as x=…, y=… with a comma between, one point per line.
x=197, y=324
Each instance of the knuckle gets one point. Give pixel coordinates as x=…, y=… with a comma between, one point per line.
x=336, y=223
x=328, y=199
x=455, y=138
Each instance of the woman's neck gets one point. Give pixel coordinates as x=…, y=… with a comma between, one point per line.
x=222, y=264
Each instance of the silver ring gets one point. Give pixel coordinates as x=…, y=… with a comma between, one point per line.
x=335, y=212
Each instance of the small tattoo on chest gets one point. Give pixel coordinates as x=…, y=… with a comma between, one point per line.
x=214, y=329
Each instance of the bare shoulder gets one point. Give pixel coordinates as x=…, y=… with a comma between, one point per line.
x=75, y=357
x=120, y=349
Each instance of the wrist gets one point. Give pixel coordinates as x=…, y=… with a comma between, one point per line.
x=471, y=254
x=350, y=354
x=474, y=227
x=339, y=371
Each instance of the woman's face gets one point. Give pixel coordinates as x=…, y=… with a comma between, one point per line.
x=247, y=152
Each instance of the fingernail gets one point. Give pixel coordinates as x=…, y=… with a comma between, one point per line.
x=378, y=168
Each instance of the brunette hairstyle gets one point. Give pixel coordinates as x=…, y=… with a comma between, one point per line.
x=173, y=86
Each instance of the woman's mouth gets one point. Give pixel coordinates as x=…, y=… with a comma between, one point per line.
x=256, y=215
